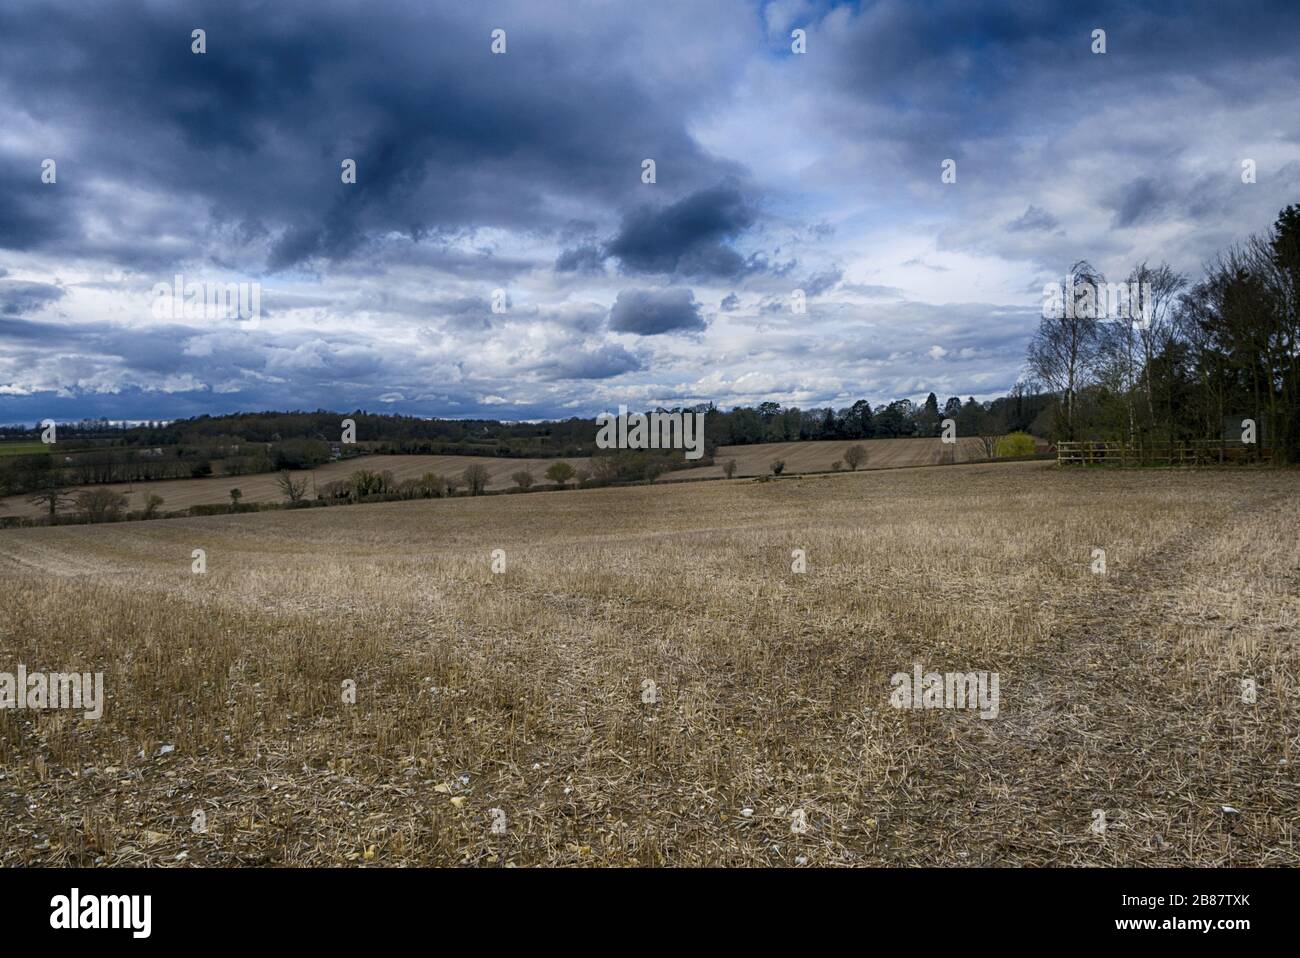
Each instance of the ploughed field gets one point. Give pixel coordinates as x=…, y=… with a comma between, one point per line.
x=520, y=699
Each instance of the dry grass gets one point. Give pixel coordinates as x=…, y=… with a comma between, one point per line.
x=756, y=460
x=522, y=691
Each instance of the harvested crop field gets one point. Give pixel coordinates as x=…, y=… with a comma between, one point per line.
x=180, y=494
x=526, y=691
x=820, y=456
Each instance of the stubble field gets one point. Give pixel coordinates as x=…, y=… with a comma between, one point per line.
x=523, y=691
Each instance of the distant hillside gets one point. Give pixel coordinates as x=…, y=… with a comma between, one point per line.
x=259, y=443
x=751, y=460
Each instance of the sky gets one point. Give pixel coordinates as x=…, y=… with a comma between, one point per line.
x=501, y=254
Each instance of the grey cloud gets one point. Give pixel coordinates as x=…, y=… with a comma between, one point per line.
x=688, y=238
x=822, y=282
x=649, y=312
x=581, y=259
x=1033, y=219
x=18, y=298
x=1137, y=201
x=603, y=362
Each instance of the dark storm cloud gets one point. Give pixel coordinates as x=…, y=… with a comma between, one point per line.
x=32, y=214
x=18, y=298
x=651, y=312
x=939, y=61
x=37, y=331
x=248, y=138
x=690, y=237
x=581, y=259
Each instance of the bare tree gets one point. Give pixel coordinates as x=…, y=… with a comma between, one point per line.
x=1063, y=350
x=51, y=498
x=1118, y=367
x=729, y=468
x=1153, y=314
x=855, y=456
x=523, y=478
x=476, y=479
x=292, y=489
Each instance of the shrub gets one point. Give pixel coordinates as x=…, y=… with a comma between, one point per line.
x=367, y=483
x=1016, y=444
x=778, y=466
x=338, y=489
x=100, y=505
x=411, y=489
x=559, y=473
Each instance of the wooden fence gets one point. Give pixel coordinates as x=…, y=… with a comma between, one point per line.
x=1197, y=452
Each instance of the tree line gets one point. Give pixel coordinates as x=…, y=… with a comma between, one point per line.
x=1180, y=360
x=1020, y=411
